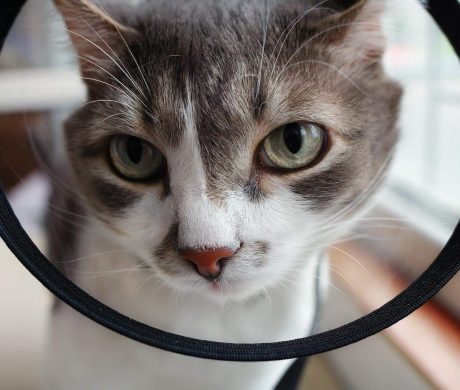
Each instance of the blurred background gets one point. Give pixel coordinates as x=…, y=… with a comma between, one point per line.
x=411, y=220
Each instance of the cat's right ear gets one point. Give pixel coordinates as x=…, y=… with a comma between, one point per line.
x=96, y=35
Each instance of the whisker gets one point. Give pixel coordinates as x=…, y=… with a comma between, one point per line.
x=106, y=101
x=92, y=256
x=110, y=57
x=60, y=214
x=127, y=90
x=364, y=194
x=55, y=179
x=147, y=280
x=158, y=286
x=333, y=67
x=319, y=34
x=127, y=73
x=109, y=117
x=102, y=273
x=290, y=27
x=333, y=269
x=354, y=259
x=131, y=54
x=267, y=294
x=105, y=83
x=259, y=77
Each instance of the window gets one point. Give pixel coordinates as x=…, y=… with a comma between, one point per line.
x=427, y=162
x=414, y=215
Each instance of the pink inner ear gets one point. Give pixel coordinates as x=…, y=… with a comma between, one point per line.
x=364, y=42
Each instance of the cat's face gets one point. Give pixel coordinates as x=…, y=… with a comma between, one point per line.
x=252, y=132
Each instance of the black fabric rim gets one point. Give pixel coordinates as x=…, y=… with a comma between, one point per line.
x=443, y=268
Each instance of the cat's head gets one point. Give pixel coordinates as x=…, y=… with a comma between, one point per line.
x=225, y=141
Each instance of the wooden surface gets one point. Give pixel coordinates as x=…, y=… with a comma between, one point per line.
x=16, y=156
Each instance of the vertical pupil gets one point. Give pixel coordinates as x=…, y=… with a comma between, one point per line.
x=134, y=149
x=293, y=137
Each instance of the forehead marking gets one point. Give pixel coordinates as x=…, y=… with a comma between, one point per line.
x=189, y=168
x=201, y=223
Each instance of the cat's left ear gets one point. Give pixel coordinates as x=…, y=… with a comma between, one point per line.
x=357, y=33
x=95, y=34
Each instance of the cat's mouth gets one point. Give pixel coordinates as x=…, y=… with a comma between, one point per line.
x=216, y=285
x=222, y=278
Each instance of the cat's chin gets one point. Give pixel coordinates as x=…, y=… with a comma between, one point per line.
x=219, y=291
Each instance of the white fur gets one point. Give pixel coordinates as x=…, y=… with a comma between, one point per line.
x=83, y=355
x=202, y=223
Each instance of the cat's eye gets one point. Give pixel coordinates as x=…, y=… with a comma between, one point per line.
x=295, y=145
x=135, y=158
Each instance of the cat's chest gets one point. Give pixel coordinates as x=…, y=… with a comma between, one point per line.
x=83, y=355
x=98, y=358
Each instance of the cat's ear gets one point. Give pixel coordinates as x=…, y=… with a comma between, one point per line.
x=358, y=34
x=96, y=35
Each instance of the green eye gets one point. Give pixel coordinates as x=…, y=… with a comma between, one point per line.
x=134, y=158
x=295, y=145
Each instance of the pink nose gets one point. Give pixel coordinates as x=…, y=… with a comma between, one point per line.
x=208, y=262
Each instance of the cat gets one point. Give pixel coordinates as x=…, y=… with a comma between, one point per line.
x=223, y=146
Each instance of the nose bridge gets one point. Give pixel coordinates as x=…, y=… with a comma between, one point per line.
x=204, y=224
x=201, y=222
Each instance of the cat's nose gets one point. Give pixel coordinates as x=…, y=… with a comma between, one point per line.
x=208, y=262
